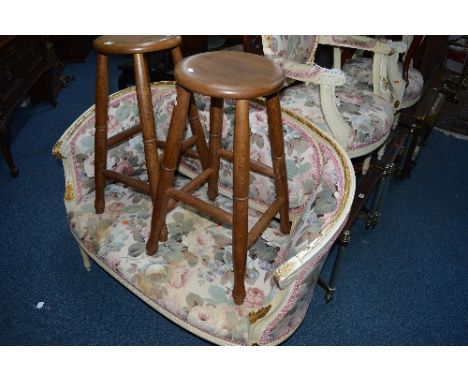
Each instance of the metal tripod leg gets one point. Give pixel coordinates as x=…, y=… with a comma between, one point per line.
x=330, y=287
x=376, y=209
x=406, y=149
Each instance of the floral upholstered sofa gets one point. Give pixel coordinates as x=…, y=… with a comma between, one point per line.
x=190, y=279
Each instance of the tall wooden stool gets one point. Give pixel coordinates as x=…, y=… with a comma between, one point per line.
x=137, y=46
x=239, y=76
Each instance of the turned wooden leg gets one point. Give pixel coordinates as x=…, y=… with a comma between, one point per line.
x=197, y=130
x=169, y=164
x=241, y=198
x=194, y=118
x=147, y=124
x=216, y=127
x=275, y=130
x=100, y=138
x=148, y=128
x=176, y=55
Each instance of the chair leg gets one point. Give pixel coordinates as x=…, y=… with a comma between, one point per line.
x=275, y=130
x=86, y=260
x=169, y=164
x=381, y=151
x=216, y=125
x=100, y=138
x=366, y=165
x=241, y=198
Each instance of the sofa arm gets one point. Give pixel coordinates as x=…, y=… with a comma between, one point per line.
x=76, y=182
x=307, y=245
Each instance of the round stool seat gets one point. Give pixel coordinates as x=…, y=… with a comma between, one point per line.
x=135, y=44
x=225, y=74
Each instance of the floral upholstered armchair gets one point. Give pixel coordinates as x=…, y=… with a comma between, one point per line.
x=191, y=279
x=359, y=119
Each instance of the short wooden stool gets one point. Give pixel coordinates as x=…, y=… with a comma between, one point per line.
x=239, y=76
x=137, y=46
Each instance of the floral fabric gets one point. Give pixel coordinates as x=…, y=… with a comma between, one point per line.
x=303, y=156
x=360, y=69
x=358, y=42
x=191, y=276
x=300, y=49
x=292, y=48
x=369, y=116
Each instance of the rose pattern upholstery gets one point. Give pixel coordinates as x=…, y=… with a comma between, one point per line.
x=303, y=156
x=360, y=70
x=294, y=48
x=190, y=279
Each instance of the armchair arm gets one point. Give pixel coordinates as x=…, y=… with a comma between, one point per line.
x=327, y=79
x=310, y=73
x=386, y=77
x=387, y=47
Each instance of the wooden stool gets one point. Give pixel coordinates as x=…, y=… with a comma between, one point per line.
x=136, y=46
x=239, y=76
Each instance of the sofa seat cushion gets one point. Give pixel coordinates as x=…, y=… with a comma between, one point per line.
x=190, y=279
x=360, y=69
x=369, y=116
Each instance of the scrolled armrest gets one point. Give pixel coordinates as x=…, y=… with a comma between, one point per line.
x=387, y=47
x=310, y=73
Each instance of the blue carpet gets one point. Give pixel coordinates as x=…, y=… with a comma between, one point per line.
x=403, y=283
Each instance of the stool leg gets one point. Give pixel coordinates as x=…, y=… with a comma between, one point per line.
x=100, y=137
x=197, y=130
x=169, y=164
x=148, y=129
x=194, y=119
x=176, y=54
x=241, y=198
x=275, y=130
x=216, y=126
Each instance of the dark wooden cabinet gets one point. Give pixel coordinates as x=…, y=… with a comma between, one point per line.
x=27, y=67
